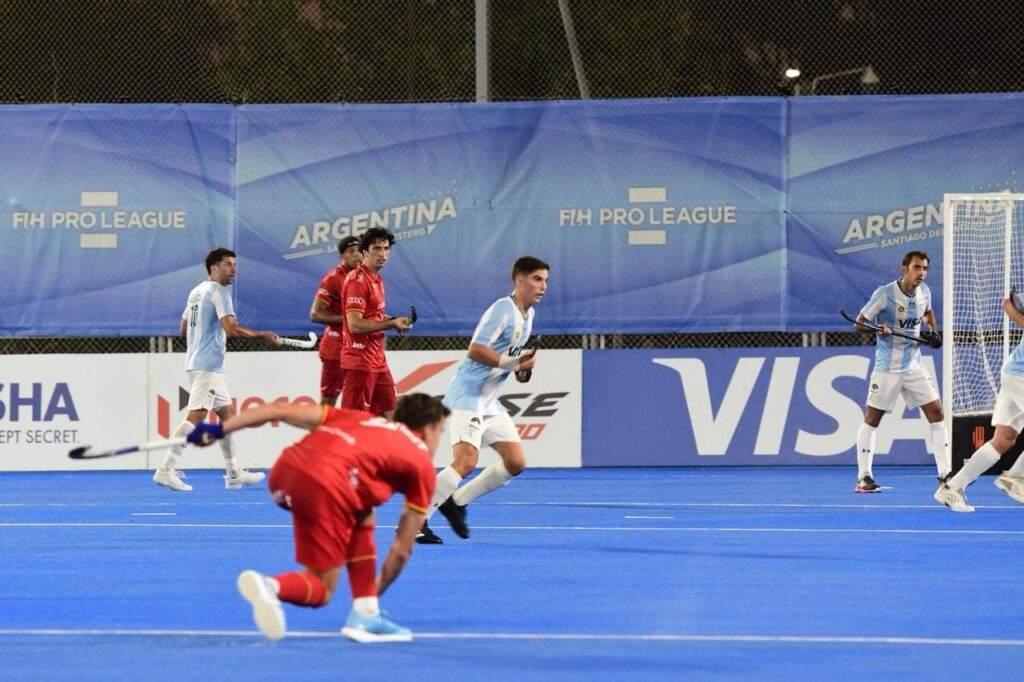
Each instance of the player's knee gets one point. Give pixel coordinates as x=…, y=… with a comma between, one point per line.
x=515, y=465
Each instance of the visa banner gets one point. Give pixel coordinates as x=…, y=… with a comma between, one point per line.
x=757, y=406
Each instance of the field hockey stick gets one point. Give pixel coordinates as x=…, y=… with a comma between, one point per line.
x=933, y=341
x=412, y=315
x=524, y=375
x=86, y=451
x=311, y=343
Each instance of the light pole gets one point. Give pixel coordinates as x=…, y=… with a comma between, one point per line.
x=868, y=77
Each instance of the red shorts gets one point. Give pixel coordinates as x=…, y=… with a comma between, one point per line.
x=331, y=378
x=373, y=392
x=323, y=515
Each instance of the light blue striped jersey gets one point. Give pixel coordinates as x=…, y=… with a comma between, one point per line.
x=503, y=329
x=902, y=313
x=207, y=303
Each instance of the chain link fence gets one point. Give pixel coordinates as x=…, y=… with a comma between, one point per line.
x=288, y=51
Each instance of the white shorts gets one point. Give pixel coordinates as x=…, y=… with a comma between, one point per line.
x=207, y=390
x=470, y=427
x=916, y=386
x=1010, y=403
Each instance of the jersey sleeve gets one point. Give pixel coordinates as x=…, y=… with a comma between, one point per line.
x=355, y=293
x=418, y=487
x=222, y=302
x=876, y=305
x=330, y=289
x=493, y=323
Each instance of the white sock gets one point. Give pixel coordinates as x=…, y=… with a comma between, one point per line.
x=937, y=435
x=173, y=454
x=230, y=463
x=366, y=606
x=980, y=462
x=272, y=583
x=447, y=481
x=1018, y=467
x=491, y=478
x=865, y=449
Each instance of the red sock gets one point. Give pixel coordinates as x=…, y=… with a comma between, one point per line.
x=362, y=563
x=299, y=587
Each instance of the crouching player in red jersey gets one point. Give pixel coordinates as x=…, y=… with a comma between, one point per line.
x=330, y=481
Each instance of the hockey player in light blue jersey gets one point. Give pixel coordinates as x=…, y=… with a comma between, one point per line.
x=497, y=349
x=904, y=305
x=207, y=321
x=1008, y=418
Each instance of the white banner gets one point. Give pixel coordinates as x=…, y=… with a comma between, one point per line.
x=50, y=404
x=548, y=409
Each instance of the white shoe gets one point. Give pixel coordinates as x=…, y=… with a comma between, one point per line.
x=954, y=499
x=243, y=478
x=266, y=607
x=171, y=478
x=1012, y=486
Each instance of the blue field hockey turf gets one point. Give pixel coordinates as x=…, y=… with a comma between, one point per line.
x=593, y=574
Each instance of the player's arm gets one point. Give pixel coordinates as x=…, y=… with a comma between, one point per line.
x=1011, y=311
x=357, y=324
x=930, y=321
x=409, y=524
x=303, y=416
x=235, y=330
x=870, y=312
x=320, y=312
x=492, y=358
x=181, y=327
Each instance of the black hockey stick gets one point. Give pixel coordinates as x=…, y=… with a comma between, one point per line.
x=412, y=315
x=523, y=375
x=933, y=339
x=86, y=451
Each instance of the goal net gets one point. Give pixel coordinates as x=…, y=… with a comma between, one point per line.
x=983, y=257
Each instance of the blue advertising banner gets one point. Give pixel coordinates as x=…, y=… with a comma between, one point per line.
x=654, y=215
x=866, y=179
x=107, y=213
x=728, y=407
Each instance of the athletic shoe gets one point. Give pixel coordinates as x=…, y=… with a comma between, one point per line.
x=456, y=516
x=266, y=607
x=171, y=478
x=428, y=537
x=952, y=498
x=377, y=628
x=1012, y=486
x=243, y=478
x=867, y=485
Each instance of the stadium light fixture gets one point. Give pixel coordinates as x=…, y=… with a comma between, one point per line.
x=868, y=77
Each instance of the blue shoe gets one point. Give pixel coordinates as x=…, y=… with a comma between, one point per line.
x=374, y=629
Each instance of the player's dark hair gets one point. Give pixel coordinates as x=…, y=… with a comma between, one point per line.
x=217, y=255
x=416, y=410
x=346, y=242
x=527, y=264
x=911, y=255
x=374, y=235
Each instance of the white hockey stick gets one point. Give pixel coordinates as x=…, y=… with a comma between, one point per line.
x=282, y=341
x=86, y=452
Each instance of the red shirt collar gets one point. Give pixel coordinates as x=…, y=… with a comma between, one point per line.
x=369, y=273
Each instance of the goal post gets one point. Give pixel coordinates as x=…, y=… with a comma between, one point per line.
x=983, y=256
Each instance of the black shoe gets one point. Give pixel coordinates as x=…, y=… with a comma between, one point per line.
x=456, y=516
x=428, y=537
x=867, y=485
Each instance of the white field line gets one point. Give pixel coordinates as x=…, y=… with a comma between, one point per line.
x=625, y=529
x=783, y=639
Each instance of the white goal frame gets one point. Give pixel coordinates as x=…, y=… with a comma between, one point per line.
x=947, y=288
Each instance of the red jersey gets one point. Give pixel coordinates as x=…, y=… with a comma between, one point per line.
x=363, y=291
x=330, y=293
x=366, y=456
